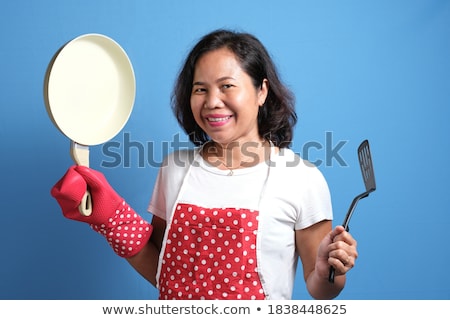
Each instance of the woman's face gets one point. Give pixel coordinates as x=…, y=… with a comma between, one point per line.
x=224, y=101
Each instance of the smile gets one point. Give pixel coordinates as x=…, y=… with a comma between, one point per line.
x=219, y=119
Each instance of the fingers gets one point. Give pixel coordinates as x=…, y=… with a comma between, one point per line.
x=69, y=192
x=94, y=179
x=342, y=251
x=70, y=188
x=342, y=260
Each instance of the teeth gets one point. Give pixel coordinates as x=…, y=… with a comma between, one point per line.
x=218, y=119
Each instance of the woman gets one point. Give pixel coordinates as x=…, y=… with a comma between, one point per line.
x=232, y=216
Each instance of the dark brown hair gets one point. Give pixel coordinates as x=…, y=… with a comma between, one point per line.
x=276, y=118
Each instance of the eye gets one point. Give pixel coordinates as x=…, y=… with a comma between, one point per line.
x=227, y=86
x=198, y=90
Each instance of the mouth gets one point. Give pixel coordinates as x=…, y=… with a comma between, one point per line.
x=217, y=121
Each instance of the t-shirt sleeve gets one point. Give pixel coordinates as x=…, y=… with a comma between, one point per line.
x=315, y=200
x=157, y=205
x=168, y=183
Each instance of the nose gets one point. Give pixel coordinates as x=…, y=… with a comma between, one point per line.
x=213, y=100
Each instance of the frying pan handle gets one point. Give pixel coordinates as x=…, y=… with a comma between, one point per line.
x=85, y=206
x=80, y=154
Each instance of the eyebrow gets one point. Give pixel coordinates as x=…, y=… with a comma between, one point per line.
x=200, y=83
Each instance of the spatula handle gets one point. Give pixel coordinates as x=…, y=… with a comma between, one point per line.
x=331, y=275
x=80, y=154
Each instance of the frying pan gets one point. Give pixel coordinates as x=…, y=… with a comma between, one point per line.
x=89, y=92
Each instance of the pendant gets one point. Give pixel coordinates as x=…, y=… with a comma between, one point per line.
x=230, y=173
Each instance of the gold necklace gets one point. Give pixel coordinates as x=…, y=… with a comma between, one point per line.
x=223, y=163
x=230, y=169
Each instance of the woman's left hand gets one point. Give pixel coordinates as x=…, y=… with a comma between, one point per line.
x=337, y=249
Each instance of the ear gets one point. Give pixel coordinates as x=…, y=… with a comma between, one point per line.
x=263, y=92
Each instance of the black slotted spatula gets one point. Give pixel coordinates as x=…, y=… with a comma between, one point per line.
x=366, y=165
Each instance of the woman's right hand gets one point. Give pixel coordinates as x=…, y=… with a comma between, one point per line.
x=126, y=231
x=70, y=189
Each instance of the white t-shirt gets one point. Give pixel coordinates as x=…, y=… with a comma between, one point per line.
x=288, y=194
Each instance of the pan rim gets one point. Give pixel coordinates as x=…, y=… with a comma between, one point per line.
x=90, y=88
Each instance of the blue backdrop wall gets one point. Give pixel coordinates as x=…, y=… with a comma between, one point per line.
x=360, y=69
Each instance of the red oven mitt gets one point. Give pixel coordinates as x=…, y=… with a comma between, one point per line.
x=126, y=231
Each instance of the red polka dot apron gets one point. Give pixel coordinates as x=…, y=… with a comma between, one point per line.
x=210, y=253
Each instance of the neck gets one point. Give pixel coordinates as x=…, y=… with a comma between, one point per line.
x=236, y=155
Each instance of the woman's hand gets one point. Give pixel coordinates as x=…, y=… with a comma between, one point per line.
x=126, y=232
x=337, y=249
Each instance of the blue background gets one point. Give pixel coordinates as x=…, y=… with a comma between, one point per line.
x=360, y=69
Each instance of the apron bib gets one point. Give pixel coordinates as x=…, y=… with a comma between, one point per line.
x=210, y=253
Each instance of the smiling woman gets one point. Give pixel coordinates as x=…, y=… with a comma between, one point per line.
x=224, y=101
x=359, y=69
x=243, y=58
x=226, y=221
